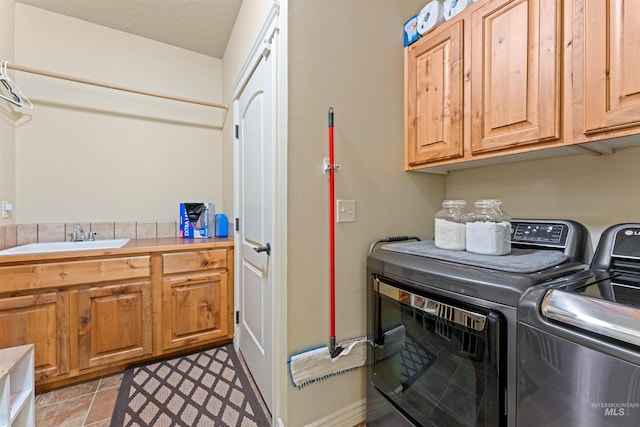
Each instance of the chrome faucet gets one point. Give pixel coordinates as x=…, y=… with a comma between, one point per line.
x=79, y=235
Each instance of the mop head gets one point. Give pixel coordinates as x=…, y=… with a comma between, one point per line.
x=317, y=364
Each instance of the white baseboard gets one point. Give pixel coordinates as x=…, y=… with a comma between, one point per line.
x=348, y=416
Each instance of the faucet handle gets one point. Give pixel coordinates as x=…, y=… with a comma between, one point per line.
x=92, y=235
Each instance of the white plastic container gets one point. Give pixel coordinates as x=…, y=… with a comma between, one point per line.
x=488, y=229
x=450, y=230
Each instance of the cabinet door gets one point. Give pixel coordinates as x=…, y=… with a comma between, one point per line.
x=610, y=58
x=115, y=323
x=515, y=74
x=41, y=320
x=194, y=309
x=434, y=97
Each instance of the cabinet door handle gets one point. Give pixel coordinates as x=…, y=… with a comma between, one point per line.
x=266, y=248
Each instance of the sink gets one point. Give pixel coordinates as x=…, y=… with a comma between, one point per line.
x=34, y=248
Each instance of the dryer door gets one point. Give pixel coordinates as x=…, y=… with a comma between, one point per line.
x=438, y=361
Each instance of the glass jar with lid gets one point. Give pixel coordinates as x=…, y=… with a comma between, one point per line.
x=450, y=222
x=488, y=229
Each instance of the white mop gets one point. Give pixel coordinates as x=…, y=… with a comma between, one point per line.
x=317, y=364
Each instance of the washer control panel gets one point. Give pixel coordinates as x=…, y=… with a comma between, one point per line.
x=539, y=233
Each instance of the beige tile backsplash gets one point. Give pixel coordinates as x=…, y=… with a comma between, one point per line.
x=167, y=229
x=22, y=234
x=11, y=236
x=50, y=233
x=125, y=230
x=27, y=233
x=146, y=230
x=103, y=230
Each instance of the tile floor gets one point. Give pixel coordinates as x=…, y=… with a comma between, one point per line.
x=86, y=404
x=91, y=403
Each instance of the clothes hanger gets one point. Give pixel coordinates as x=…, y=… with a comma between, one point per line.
x=15, y=100
x=18, y=97
x=21, y=94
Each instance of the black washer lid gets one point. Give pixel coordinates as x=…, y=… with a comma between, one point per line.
x=619, y=246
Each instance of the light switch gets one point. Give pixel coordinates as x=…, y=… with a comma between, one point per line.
x=346, y=210
x=6, y=209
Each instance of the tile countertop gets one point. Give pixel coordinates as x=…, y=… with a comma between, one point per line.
x=133, y=247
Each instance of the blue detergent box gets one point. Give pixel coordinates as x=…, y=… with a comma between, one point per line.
x=197, y=220
x=411, y=31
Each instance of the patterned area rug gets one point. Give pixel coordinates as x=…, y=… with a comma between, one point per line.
x=208, y=388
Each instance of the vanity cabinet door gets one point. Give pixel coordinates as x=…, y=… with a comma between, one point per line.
x=41, y=320
x=195, y=309
x=114, y=323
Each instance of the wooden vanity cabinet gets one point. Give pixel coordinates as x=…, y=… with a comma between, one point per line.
x=111, y=310
x=606, y=64
x=114, y=323
x=88, y=315
x=196, y=297
x=42, y=320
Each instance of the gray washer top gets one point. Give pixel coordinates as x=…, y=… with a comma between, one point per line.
x=522, y=261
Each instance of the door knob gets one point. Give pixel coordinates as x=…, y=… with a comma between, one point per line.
x=266, y=248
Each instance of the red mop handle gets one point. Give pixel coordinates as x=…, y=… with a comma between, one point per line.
x=332, y=242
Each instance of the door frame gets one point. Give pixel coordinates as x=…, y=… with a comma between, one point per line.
x=273, y=30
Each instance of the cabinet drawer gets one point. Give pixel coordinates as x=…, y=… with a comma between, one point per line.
x=181, y=262
x=55, y=274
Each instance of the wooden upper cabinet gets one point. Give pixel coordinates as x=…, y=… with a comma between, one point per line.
x=434, y=97
x=606, y=65
x=515, y=74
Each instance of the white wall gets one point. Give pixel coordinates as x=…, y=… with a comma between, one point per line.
x=88, y=154
x=91, y=154
x=348, y=55
x=596, y=191
x=8, y=113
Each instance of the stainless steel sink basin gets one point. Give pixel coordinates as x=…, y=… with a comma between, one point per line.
x=33, y=248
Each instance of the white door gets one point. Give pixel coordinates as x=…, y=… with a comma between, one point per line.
x=255, y=112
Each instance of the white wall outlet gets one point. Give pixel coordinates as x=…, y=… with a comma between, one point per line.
x=6, y=209
x=346, y=210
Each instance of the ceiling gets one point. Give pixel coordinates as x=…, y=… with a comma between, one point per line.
x=201, y=26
